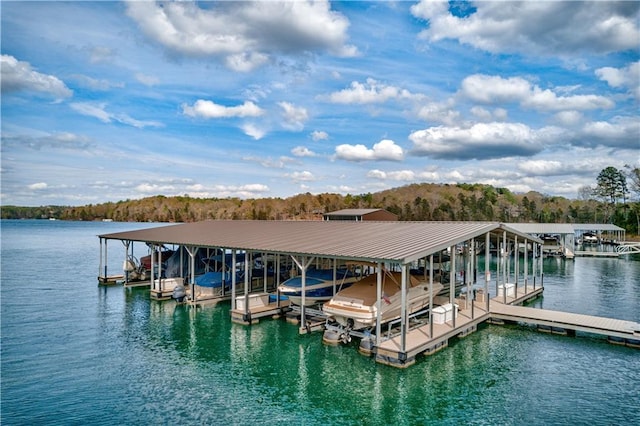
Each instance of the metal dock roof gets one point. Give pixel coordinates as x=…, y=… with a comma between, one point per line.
x=596, y=227
x=543, y=228
x=402, y=242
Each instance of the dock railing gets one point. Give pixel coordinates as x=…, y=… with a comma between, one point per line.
x=628, y=247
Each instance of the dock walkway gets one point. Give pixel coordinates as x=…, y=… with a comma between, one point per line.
x=591, y=253
x=420, y=341
x=617, y=329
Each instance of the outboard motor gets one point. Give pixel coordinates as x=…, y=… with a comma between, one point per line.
x=179, y=293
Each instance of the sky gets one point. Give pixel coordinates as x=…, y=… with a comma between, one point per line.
x=108, y=101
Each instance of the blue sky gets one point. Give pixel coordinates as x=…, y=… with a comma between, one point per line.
x=107, y=101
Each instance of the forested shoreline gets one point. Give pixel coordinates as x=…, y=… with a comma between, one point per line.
x=442, y=202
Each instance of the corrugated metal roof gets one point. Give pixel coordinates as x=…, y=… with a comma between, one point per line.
x=401, y=242
x=543, y=228
x=353, y=212
x=596, y=227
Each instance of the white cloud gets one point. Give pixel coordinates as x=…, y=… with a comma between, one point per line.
x=536, y=28
x=304, y=176
x=488, y=89
x=627, y=77
x=147, y=80
x=101, y=54
x=480, y=141
x=245, y=61
x=398, y=175
x=98, y=110
x=482, y=114
x=619, y=132
x=439, y=112
x=569, y=118
x=152, y=188
x=318, y=135
x=253, y=130
x=177, y=186
x=541, y=167
x=19, y=76
x=370, y=92
x=377, y=174
x=384, y=150
x=38, y=186
x=271, y=163
x=244, y=34
x=63, y=140
x=96, y=84
x=302, y=151
x=208, y=109
x=294, y=117
x=254, y=188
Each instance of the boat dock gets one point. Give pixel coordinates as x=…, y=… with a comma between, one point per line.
x=428, y=339
x=405, y=247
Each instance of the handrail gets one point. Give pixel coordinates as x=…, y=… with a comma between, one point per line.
x=626, y=247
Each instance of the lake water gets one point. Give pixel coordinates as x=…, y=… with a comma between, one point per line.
x=76, y=353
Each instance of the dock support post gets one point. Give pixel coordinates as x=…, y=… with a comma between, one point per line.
x=487, y=272
x=106, y=254
x=335, y=275
x=303, y=319
x=151, y=273
x=516, y=265
x=472, y=263
x=191, y=251
x=100, y=267
x=505, y=267
x=452, y=287
x=403, y=309
x=265, y=266
x=498, y=260
x=431, y=296
x=277, y=280
x=233, y=280
x=526, y=265
x=126, y=243
x=303, y=264
x=246, y=284
x=378, y=303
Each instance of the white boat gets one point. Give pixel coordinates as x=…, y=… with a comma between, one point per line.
x=355, y=307
x=589, y=238
x=319, y=285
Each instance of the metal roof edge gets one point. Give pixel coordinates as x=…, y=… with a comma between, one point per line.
x=530, y=237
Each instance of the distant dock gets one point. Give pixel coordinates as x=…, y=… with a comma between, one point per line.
x=593, y=253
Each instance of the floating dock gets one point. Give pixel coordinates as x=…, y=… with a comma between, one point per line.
x=428, y=339
x=260, y=305
x=593, y=253
x=400, y=245
x=617, y=331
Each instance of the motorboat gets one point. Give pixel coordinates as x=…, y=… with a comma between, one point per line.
x=589, y=238
x=355, y=307
x=319, y=285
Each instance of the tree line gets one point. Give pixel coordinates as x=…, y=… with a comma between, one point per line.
x=615, y=198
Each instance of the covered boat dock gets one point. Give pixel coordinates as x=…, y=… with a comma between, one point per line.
x=389, y=245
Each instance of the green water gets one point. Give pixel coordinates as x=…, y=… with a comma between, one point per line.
x=74, y=353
